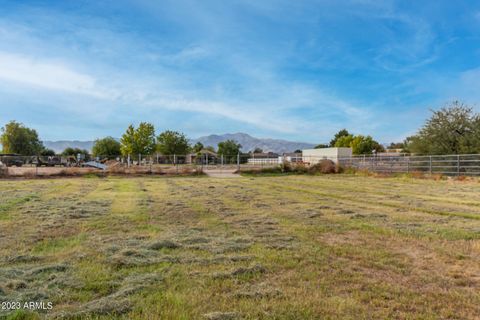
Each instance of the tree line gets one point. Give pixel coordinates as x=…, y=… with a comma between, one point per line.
x=19, y=139
x=453, y=129
x=360, y=144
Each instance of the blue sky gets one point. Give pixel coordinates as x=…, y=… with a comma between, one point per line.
x=299, y=70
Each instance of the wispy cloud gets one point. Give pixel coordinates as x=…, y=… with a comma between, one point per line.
x=298, y=70
x=49, y=75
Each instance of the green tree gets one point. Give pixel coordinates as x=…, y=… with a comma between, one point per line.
x=344, y=141
x=396, y=145
x=173, y=142
x=74, y=152
x=323, y=145
x=138, y=141
x=47, y=152
x=210, y=148
x=453, y=129
x=106, y=147
x=365, y=145
x=229, y=149
x=258, y=150
x=338, y=135
x=16, y=138
x=197, y=147
x=127, y=142
x=359, y=144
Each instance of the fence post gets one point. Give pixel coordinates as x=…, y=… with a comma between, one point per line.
x=222, y=159
x=408, y=164
x=238, y=161
x=458, y=165
x=128, y=161
x=430, y=165
x=175, y=163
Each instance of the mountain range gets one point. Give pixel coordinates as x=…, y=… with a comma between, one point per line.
x=247, y=141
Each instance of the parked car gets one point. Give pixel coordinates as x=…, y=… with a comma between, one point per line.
x=11, y=159
x=49, y=161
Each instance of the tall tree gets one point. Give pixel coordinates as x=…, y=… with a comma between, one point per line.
x=173, y=142
x=106, y=147
x=359, y=144
x=127, y=142
x=396, y=145
x=344, y=141
x=365, y=145
x=229, y=149
x=338, y=135
x=16, y=138
x=453, y=129
x=210, y=148
x=197, y=147
x=47, y=152
x=74, y=152
x=138, y=141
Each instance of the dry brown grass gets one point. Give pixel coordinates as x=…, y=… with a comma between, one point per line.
x=290, y=247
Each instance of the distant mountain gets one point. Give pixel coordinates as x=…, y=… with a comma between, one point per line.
x=249, y=143
x=59, y=146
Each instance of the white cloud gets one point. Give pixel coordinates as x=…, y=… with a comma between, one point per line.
x=53, y=76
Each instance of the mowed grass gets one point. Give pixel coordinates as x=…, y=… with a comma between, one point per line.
x=291, y=247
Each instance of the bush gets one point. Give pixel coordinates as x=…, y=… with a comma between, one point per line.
x=325, y=166
x=273, y=170
x=3, y=171
x=301, y=168
x=286, y=167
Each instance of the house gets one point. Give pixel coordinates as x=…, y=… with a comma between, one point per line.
x=205, y=156
x=290, y=157
x=263, y=158
x=391, y=153
x=312, y=156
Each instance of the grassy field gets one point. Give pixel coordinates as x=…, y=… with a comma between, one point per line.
x=293, y=247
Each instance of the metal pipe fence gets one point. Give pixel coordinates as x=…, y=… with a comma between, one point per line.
x=465, y=164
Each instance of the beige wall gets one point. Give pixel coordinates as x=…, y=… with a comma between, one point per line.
x=316, y=155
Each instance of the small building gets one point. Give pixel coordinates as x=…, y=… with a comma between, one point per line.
x=312, y=156
x=263, y=158
x=391, y=153
x=205, y=156
x=293, y=157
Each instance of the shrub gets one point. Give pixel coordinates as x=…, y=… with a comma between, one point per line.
x=300, y=168
x=436, y=176
x=3, y=171
x=286, y=167
x=325, y=166
x=272, y=170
